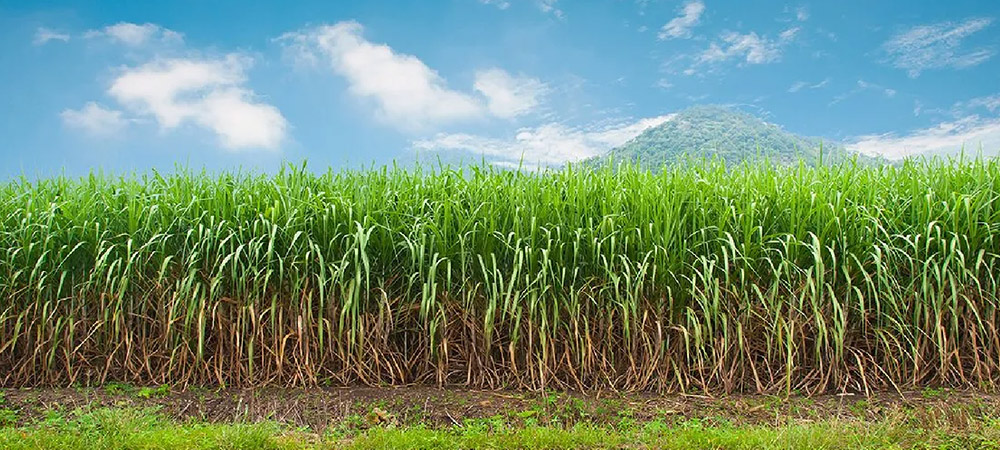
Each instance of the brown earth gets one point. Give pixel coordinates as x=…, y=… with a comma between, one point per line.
x=362, y=406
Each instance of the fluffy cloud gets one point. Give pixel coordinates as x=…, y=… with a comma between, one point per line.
x=680, y=26
x=546, y=145
x=137, y=35
x=94, y=120
x=970, y=134
x=508, y=96
x=936, y=46
x=405, y=92
x=44, y=35
x=750, y=47
x=205, y=92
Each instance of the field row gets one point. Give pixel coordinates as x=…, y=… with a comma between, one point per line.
x=698, y=278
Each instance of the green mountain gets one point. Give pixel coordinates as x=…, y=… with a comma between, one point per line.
x=719, y=132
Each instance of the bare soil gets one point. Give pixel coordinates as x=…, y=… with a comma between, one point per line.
x=360, y=406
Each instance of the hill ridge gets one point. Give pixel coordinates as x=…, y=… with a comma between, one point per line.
x=733, y=135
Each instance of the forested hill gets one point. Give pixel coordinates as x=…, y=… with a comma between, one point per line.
x=729, y=134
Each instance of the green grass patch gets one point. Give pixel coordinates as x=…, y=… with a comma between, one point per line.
x=145, y=429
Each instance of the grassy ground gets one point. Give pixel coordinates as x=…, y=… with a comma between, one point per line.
x=121, y=416
x=133, y=428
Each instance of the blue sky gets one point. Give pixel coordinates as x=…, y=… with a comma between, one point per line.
x=129, y=86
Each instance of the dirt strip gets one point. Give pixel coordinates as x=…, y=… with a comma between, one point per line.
x=362, y=406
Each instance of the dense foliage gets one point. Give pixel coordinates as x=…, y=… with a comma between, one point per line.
x=759, y=278
x=727, y=134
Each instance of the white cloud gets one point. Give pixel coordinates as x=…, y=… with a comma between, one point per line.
x=788, y=34
x=619, y=134
x=44, y=35
x=862, y=86
x=680, y=26
x=990, y=102
x=137, y=35
x=800, y=85
x=501, y=4
x=936, y=46
x=985, y=105
x=970, y=133
x=545, y=6
x=546, y=145
x=750, y=47
x=888, y=92
x=94, y=120
x=406, y=92
x=508, y=96
x=209, y=93
x=802, y=13
x=549, y=7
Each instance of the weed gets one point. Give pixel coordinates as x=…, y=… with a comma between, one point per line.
x=153, y=392
x=116, y=388
x=8, y=417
